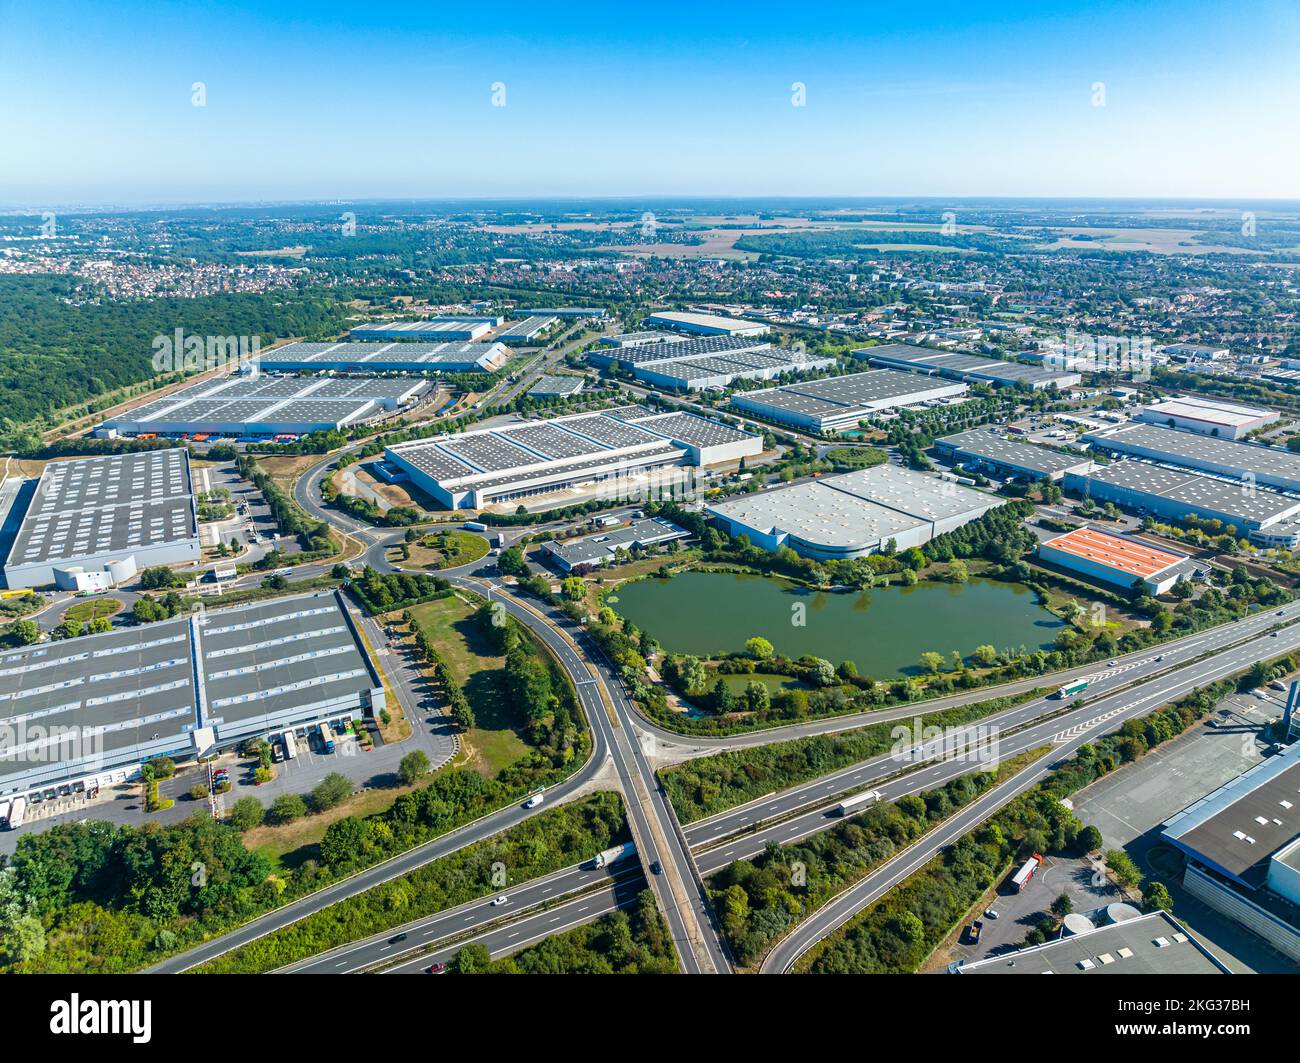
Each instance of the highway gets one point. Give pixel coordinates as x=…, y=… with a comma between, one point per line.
x=468, y=918
x=1066, y=734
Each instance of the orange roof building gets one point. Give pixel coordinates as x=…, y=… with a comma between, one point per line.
x=1114, y=559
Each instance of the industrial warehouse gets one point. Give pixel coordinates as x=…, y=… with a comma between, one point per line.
x=93, y=522
x=1116, y=559
x=987, y=450
x=615, y=449
x=527, y=330
x=344, y=357
x=260, y=406
x=854, y=514
x=1242, y=846
x=454, y=329
x=1210, y=417
x=1245, y=462
x=965, y=367
x=89, y=710
x=556, y=386
x=705, y=324
x=594, y=551
x=1267, y=517
x=840, y=402
x=675, y=348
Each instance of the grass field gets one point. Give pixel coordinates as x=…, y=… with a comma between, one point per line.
x=442, y=549
x=496, y=741
x=774, y=683
x=92, y=609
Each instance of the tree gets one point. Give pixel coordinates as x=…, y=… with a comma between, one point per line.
x=757, y=697
x=413, y=765
x=931, y=661
x=1062, y=906
x=25, y=632
x=574, y=588
x=288, y=807
x=1089, y=839
x=343, y=842
x=958, y=572
x=985, y=656
x=1122, y=867
x=758, y=648
x=330, y=791
x=246, y=814
x=472, y=959
x=1155, y=898
x=511, y=562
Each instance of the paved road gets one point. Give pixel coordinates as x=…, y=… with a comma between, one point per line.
x=1066, y=734
x=468, y=918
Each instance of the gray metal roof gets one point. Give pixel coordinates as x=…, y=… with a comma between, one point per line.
x=1150, y=944
x=1269, y=465
x=990, y=445
x=89, y=506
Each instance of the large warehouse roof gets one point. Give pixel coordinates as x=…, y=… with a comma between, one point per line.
x=241, y=404
x=675, y=350
x=105, y=700
x=422, y=330
x=985, y=444
x=111, y=504
x=1203, y=494
x=963, y=366
x=837, y=401
x=1266, y=465
x=857, y=511
x=394, y=357
x=709, y=324
x=1134, y=558
x=1210, y=412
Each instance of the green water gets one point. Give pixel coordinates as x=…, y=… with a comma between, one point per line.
x=883, y=631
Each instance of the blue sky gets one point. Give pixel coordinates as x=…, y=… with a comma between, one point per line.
x=329, y=100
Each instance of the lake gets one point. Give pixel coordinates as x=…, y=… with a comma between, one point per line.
x=883, y=631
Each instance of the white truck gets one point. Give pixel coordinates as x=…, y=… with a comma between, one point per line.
x=614, y=855
x=17, y=812
x=857, y=801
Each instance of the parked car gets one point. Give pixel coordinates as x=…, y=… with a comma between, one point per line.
x=991, y=913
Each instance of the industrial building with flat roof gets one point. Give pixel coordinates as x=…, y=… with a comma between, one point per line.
x=706, y=324
x=594, y=551
x=988, y=450
x=1151, y=944
x=1116, y=559
x=1247, y=462
x=261, y=405
x=1210, y=417
x=672, y=350
x=527, y=330
x=579, y=452
x=109, y=515
x=547, y=386
x=564, y=311
x=853, y=514
x=444, y=329
x=722, y=370
x=91, y=709
x=1268, y=517
x=386, y=358
x=838, y=402
x=965, y=367
x=1242, y=844
x=636, y=339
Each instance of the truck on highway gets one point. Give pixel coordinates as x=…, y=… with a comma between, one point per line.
x=857, y=801
x=614, y=855
x=326, y=739
x=1070, y=689
x=17, y=811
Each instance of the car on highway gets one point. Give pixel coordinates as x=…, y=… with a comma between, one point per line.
x=533, y=801
x=1160, y=658
x=657, y=868
x=396, y=938
x=499, y=901
x=436, y=968
x=1111, y=664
